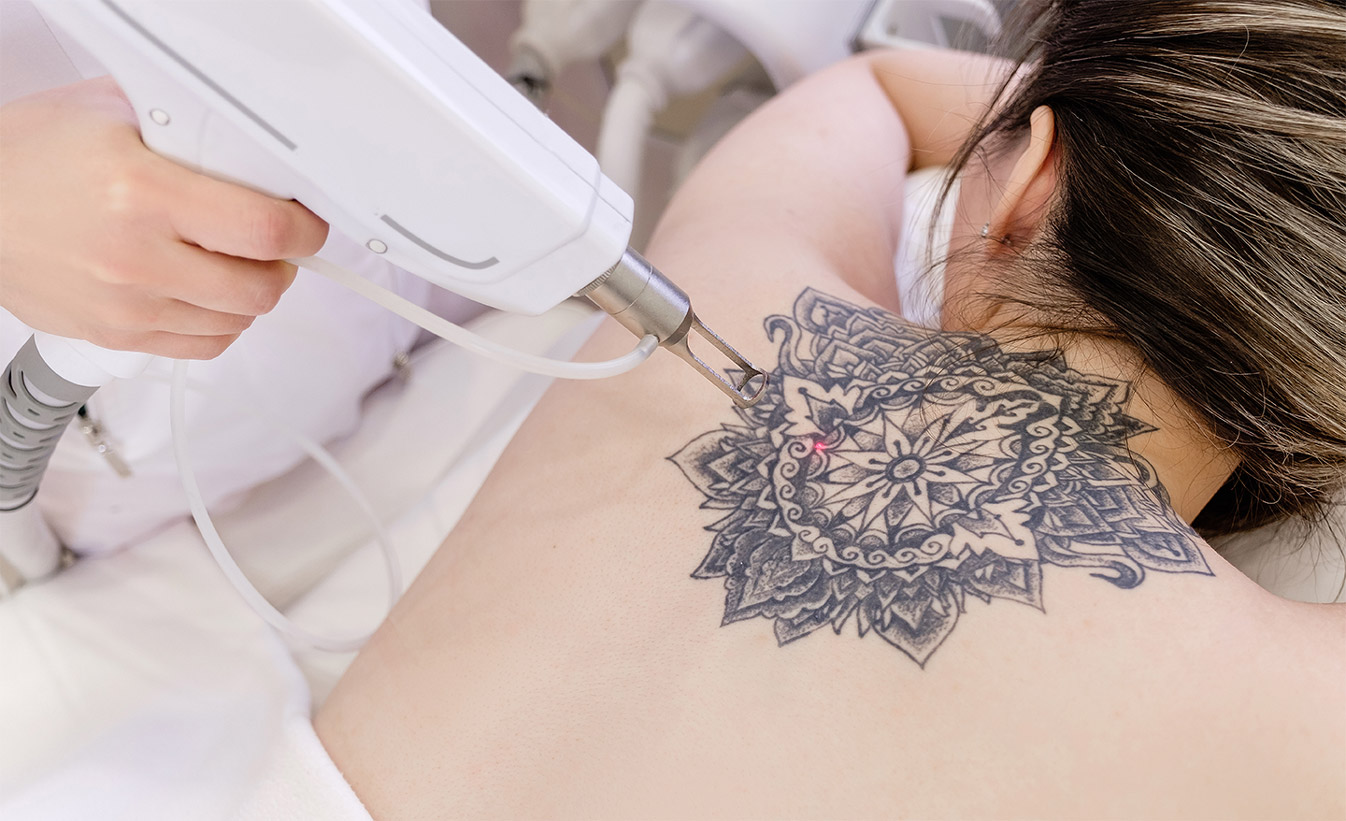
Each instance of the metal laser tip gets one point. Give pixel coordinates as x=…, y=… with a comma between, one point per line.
x=644, y=301
x=746, y=389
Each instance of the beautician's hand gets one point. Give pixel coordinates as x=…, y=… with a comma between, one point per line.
x=103, y=240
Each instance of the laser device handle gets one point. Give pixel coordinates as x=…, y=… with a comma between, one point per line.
x=177, y=125
x=386, y=126
x=379, y=121
x=153, y=96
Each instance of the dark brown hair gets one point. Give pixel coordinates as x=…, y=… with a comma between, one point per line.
x=1200, y=217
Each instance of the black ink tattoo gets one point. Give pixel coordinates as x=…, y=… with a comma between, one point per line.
x=891, y=472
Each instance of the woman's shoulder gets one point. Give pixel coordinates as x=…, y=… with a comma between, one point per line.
x=1005, y=594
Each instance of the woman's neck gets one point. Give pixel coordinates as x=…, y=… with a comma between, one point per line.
x=1189, y=461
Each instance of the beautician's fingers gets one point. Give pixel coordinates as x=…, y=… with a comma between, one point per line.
x=223, y=283
x=236, y=221
x=197, y=313
x=94, y=231
x=131, y=320
x=173, y=317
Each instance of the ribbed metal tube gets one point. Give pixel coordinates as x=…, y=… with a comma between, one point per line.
x=35, y=406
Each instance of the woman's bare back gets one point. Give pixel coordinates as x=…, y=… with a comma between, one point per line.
x=925, y=577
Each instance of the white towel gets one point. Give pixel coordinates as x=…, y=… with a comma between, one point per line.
x=299, y=780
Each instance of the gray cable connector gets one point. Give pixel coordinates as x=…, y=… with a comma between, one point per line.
x=36, y=404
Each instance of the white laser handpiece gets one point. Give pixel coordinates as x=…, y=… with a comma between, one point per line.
x=382, y=123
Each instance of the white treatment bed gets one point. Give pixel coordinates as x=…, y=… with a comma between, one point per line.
x=138, y=685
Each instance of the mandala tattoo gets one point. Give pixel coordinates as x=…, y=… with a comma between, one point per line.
x=891, y=472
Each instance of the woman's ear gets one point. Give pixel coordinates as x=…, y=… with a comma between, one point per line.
x=1027, y=195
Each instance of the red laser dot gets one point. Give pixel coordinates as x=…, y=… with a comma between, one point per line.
x=819, y=447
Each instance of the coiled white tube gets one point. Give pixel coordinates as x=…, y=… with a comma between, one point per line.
x=407, y=310
x=197, y=504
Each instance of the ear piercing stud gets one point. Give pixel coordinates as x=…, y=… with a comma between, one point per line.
x=986, y=234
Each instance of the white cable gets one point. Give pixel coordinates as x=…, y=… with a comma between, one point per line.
x=425, y=319
x=437, y=325
x=250, y=594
